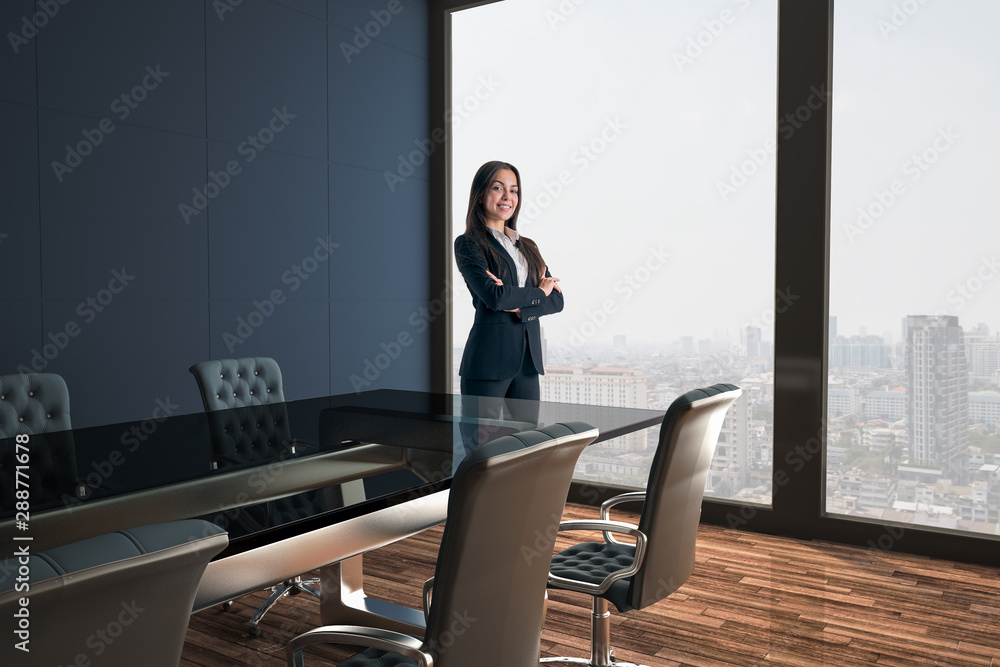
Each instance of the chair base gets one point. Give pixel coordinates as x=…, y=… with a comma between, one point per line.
x=289, y=587
x=582, y=662
x=601, y=653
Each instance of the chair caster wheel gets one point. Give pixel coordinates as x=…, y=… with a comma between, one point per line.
x=254, y=631
x=226, y=606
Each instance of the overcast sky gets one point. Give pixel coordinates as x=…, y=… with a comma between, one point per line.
x=658, y=118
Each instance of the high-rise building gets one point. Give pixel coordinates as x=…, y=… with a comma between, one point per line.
x=983, y=351
x=730, y=469
x=599, y=385
x=595, y=385
x=687, y=345
x=842, y=401
x=859, y=352
x=885, y=404
x=937, y=395
x=984, y=408
x=751, y=341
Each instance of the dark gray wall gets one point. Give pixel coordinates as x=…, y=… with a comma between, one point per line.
x=332, y=110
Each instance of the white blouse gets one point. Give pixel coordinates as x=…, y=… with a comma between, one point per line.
x=511, y=247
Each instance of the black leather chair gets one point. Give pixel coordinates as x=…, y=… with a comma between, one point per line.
x=487, y=606
x=633, y=576
x=119, y=599
x=248, y=423
x=37, y=405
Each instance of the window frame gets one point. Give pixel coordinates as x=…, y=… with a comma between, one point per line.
x=802, y=266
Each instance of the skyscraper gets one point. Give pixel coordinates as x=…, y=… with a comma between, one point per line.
x=983, y=351
x=938, y=395
x=751, y=341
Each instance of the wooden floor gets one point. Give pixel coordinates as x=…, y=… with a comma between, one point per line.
x=752, y=600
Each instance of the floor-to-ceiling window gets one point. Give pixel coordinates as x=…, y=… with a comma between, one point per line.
x=913, y=426
x=645, y=135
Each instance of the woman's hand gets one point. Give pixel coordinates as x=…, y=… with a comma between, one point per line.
x=516, y=311
x=548, y=283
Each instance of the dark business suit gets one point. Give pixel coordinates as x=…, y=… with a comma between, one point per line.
x=496, y=344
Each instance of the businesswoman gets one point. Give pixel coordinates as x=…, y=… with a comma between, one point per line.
x=510, y=286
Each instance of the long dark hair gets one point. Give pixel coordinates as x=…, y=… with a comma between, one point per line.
x=475, y=223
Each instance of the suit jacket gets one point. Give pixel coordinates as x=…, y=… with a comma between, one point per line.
x=496, y=342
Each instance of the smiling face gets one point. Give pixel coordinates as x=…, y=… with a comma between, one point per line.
x=500, y=201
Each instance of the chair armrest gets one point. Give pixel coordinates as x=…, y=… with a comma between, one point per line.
x=606, y=527
x=224, y=460
x=631, y=497
x=296, y=446
x=357, y=635
x=428, y=591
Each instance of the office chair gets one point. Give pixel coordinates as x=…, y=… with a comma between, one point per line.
x=123, y=598
x=37, y=405
x=248, y=423
x=633, y=576
x=486, y=600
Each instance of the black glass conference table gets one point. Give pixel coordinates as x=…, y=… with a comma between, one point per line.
x=304, y=485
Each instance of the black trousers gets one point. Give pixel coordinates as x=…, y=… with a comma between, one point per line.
x=515, y=399
x=523, y=385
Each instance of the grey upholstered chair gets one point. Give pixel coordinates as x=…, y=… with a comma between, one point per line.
x=37, y=404
x=245, y=402
x=633, y=576
x=487, y=606
x=248, y=423
x=116, y=600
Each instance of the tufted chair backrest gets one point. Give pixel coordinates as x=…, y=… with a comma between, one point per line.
x=246, y=412
x=248, y=423
x=36, y=405
x=237, y=383
x=33, y=403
